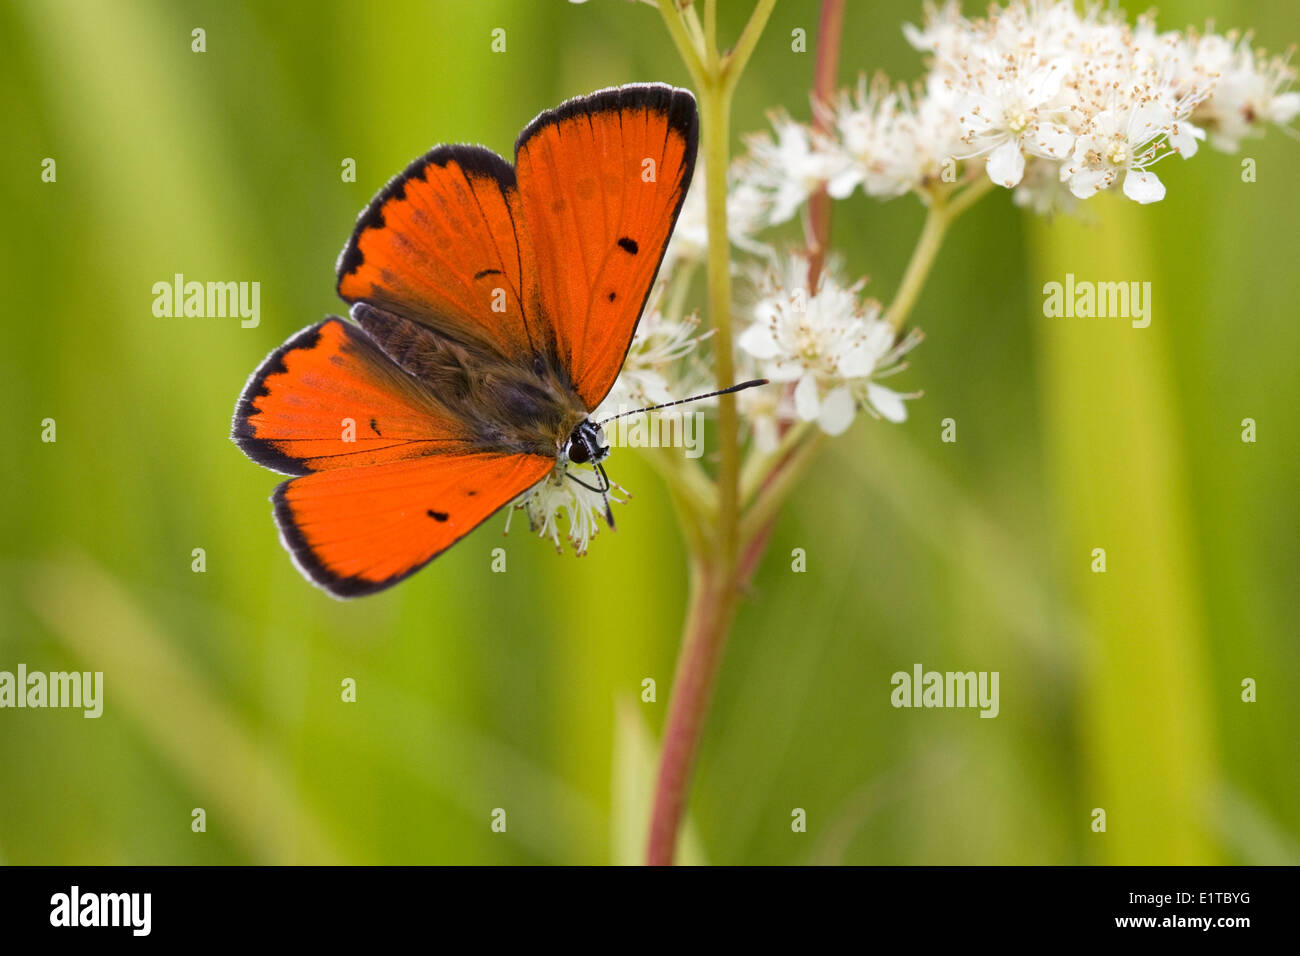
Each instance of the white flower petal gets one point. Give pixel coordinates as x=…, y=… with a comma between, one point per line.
x=783, y=370
x=887, y=402
x=1046, y=82
x=1106, y=124
x=1283, y=108
x=857, y=361
x=919, y=39
x=1088, y=182
x=1007, y=164
x=1183, y=138
x=837, y=411
x=842, y=184
x=759, y=341
x=1146, y=121
x=787, y=202
x=1143, y=187
x=977, y=114
x=1052, y=140
x=880, y=336
x=806, y=403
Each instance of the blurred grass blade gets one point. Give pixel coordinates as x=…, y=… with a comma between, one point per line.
x=549, y=817
x=244, y=788
x=892, y=467
x=1251, y=832
x=1116, y=464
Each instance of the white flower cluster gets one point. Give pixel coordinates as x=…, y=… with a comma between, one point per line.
x=559, y=495
x=827, y=342
x=823, y=348
x=1054, y=102
x=747, y=211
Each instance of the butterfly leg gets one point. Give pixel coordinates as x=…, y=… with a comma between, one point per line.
x=604, y=478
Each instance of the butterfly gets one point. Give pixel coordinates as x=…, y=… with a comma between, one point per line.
x=492, y=308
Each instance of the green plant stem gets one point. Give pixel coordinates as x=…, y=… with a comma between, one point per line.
x=675, y=301
x=689, y=482
x=722, y=566
x=772, y=495
x=687, y=47
x=714, y=568
x=942, y=213
x=734, y=62
x=969, y=196
x=691, y=17
x=711, y=25
x=761, y=466
x=918, y=267
x=715, y=110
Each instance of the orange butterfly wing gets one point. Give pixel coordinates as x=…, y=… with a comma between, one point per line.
x=360, y=530
x=601, y=181
x=411, y=482
x=442, y=245
x=326, y=384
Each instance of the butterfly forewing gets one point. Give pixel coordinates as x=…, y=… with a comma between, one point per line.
x=601, y=180
x=442, y=245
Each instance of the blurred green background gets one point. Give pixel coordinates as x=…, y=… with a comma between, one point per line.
x=521, y=691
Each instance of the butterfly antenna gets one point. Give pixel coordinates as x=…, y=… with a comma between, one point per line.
x=683, y=401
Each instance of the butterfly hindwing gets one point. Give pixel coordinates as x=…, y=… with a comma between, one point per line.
x=601, y=181
x=389, y=478
x=359, y=530
x=329, y=398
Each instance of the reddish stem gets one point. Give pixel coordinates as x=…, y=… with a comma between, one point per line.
x=829, y=31
x=709, y=621
x=715, y=594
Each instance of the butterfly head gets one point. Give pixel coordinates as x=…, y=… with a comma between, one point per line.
x=586, y=444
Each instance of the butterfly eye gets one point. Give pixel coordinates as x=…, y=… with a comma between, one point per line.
x=577, y=450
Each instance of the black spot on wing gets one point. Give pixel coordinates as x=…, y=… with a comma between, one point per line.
x=439, y=516
x=628, y=245
x=487, y=272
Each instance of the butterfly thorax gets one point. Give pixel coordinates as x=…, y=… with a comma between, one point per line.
x=502, y=404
